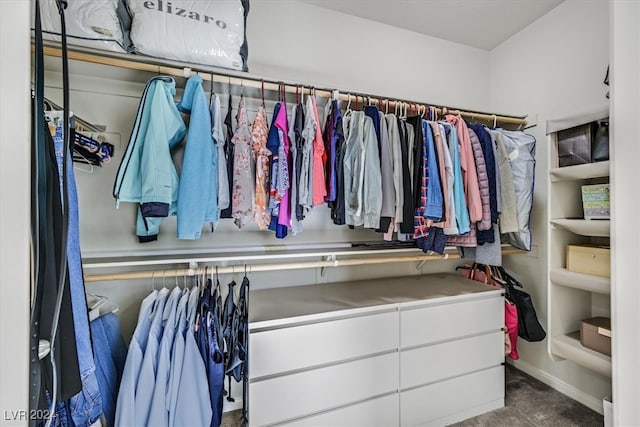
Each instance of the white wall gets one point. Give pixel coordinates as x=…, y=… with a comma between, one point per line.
x=551, y=68
x=625, y=108
x=297, y=41
x=14, y=212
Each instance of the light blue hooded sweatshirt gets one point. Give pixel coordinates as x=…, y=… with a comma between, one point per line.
x=147, y=174
x=197, y=196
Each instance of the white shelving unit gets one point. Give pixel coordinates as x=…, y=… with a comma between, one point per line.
x=571, y=296
x=584, y=227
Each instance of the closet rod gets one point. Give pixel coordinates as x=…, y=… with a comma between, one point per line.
x=219, y=75
x=233, y=269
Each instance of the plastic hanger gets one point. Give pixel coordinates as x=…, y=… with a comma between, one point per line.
x=99, y=305
x=86, y=161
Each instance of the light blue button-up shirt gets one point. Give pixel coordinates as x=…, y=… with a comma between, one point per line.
x=177, y=357
x=125, y=408
x=159, y=413
x=149, y=368
x=192, y=403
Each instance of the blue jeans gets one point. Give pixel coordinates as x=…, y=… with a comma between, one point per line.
x=110, y=353
x=86, y=406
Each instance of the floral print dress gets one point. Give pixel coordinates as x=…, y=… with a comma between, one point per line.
x=243, y=182
x=261, y=213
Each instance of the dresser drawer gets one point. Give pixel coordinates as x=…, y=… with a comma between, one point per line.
x=437, y=362
x=447, y=321
x=453, y=400
x=380, y=412
x=298, y=347
x=291, y=396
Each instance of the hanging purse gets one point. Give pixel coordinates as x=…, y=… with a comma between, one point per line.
x=529, y=327
x=483, y=273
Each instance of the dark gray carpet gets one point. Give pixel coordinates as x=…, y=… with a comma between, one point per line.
x=531, y=403
x=528, y=403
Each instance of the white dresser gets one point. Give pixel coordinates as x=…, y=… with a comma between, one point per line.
x=409, y=351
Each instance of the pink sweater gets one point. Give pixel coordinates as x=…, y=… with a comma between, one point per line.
x=468, y=165
x=319, y=159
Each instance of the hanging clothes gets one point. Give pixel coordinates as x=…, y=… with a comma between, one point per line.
x=468, y=167
x=520, y=149
x=126, y=406
x=284, y=183
x=110, y=353
x=192, y=396
x=445, y=174
x=147, y=175
x=459, y=199
x=487, y=236
x=406, y=226
x=273, y=145
x=243, y=170
x=297, y=144
x=372, y=112
x=412, y=157
x=388, y=209
x=354, y=169
x=228, y=155
x=217, y=132
x=508, y=212
x=305, y=189
x=331, y=136
x=177, y=355
x=149, y=368
x=483, y=181
x=363, y=182
x=296, y=225
x=338, y=207
x=434, y=210
x=85, y=406
x=159, y=413
x=261, y=154
x=419, y=219
x=319, y=190
x=197, y=202
x=372, y=182
x=207, y=339
x=414, y=126
x=396, y=152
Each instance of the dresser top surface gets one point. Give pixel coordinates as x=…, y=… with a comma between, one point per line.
x=299, y=301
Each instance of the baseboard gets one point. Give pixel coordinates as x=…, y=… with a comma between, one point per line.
x=586, y=399
x=467, y=413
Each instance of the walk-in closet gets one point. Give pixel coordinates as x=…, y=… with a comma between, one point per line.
x=319, y=213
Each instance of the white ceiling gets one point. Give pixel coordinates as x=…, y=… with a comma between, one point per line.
x=480, y=23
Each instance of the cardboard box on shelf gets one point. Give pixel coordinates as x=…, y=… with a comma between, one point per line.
x=595, y=333
x=589, y=259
